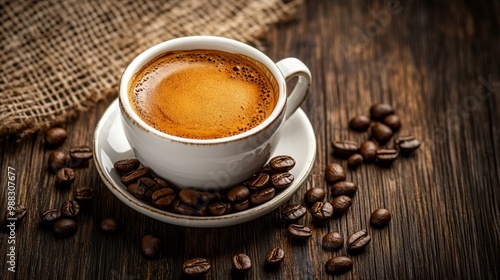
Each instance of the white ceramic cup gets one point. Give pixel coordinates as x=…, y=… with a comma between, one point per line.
x=211, y=164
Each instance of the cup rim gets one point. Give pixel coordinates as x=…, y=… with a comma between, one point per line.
x=193, y=43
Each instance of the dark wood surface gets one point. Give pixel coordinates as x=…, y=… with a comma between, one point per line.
x=436, y=62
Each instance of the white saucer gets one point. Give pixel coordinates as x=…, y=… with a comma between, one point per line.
x=110, y=145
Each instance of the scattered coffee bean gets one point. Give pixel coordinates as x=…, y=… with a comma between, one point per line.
x=345, y=148
x=369, y=150
x=282, y=180
x=163, y=197
x=262, y=196
x=55, y=137
x=57, y=160
x=380, y=111
x=258, y=181
x=299, y=232
x=393, y=122
x=218, y=208
x=150, y=246
x=196, y=267
x=340, y=204
x=51, y=216
x=358, y=241
x=241, y=263
x=380, y=218
x=65, y=177
x=81, y=154
x=386, y=156
x=332, y=241
x=407, y=144
x=344, y=188
x=238, y=193
x=135, y=175
x=275, y=256
x=381, y=132
x=314, y=194
x=282, y=163
x=109, y=225
x=83, y=194
x=359, y=123
x=354, y=161
x=17, y=213
x=65, y=228
x=322, y=210
x=70, y=208
x=126, y=165
x=293, y=212
x=334, y=173
x=338, y=265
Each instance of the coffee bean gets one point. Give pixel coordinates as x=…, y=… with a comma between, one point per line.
x=267, y=169
x=359, y=123
x=393, y=122
x=293, y=212
x=70, y=208
x=109, y=225
x=380, y=111
x=17, y=213
x=65, y=177
x=258, y=181
x=381, y=132
x=80, y=156
x=338, y=265
x=218, y=208
x=344, y=148
x=149, y=186
x=322, y=210
x=332, y=241
x=163, y=197
x=135, y=175
x=126, y=165
x=150, y=246
x=238, y=193
x=65, y=228
x=190, y=197
x=51, y=216
x=314, y=194
x=358, y=241
x=137, y=191
x=282, y=163
x=196, y=267
x=282, y=180
x=299, y=232
x=55, y=137
x=241, y=205
x=334, y=173
x=380, y=218
x=275, y=256
x=184, y=209
x=161, y=183
x=369, y=151
x=386, y=156
x=241, y=263
x=354, y=161
x=407, y=144
x=262, y=196
x=57, y=160
x=344, y=188
x=340, y=204
x=83, y=194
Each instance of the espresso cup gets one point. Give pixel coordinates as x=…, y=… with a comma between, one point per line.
x=215, y=163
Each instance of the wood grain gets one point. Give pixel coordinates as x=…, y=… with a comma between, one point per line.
x=436, y=62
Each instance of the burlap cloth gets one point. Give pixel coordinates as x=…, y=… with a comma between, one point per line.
x=58, y=58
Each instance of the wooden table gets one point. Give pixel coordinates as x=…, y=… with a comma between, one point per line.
x=436, y=63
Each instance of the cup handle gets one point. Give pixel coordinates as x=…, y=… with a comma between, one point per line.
x=291, y=67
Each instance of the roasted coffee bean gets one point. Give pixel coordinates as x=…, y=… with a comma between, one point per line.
x=386, y=156
x=184, y=209
x=161, y=183
x=344, y=188
x=338, y=265
x=137, y=191
x=163, y=197
x=190, y=197
x=262, y=196
x=282, y=163
x=57, y=160
x=150, y=246
x=341, y=204
x=238, y=193
x=80, y=156
x=332, y=241
x=380, y=218
x=17, y=213
x=358, y=241
x=293, y=212
x=218, y=208
x=149, y=185
x=241, y=205
x=109, y=225
x=359, y=123
x=322, y=210
x=381, y=132
x=135, y=175
x=258, y=181
x=83, y=194
x=208, y=197
x=65, y=177
x=275, y=256
x=407, y=144
x=354, y=161
x=393, y=122
x=299, y=232
x=65, y=228
x=267, y=169
x=369, y=151
x=241, y=262
x=51, y=216
x=126, y=165
x=334, y=173
x=380, y=111
x=196, y=267
x=345, y=148
x=70, y=208
x=314, y=194
x=55, y=137
x=282, y=180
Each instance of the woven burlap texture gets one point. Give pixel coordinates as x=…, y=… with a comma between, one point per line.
x=58, y=58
